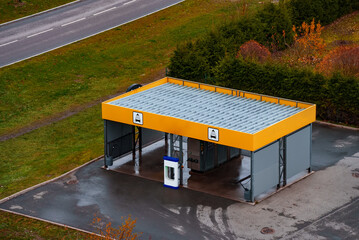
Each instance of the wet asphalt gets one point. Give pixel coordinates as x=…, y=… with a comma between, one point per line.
x=161, y=213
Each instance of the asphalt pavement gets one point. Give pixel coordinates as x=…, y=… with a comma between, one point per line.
x=44, y=32
x=322, y=206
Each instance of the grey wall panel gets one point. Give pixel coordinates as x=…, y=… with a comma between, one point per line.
x=265, y=168
x=234, y=152
x=119, y=138
x=222, y=153
x=298, y=151
x=116, y=130
x=149, y=135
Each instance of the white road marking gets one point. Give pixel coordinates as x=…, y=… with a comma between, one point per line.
x=8, y=43
x=129, y=2
x=78, y=20
x=134, y=19
x=104, y=11
x=33, y=35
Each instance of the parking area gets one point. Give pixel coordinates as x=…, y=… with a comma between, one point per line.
x=312, y=208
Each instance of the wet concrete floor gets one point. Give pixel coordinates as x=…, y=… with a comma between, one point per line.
x=221, y=181
x=161, y=213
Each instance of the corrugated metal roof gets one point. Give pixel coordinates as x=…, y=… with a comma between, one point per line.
x=207, y=107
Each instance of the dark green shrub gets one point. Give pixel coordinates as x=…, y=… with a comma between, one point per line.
x=343, y=99
x=337, y=98
x=276, y=26
x=305, y=10
x=188, y=63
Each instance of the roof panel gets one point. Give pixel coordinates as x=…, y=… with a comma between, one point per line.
x=207, y=107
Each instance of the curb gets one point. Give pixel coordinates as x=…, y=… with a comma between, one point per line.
x=48, y=181
x=336, y=125
x=35, y=14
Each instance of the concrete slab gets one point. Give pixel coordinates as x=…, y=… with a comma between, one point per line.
x=222, y=181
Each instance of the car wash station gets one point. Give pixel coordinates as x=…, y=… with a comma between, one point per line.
x=240, y=145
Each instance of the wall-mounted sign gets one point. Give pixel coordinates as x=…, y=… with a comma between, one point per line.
x=137, y=118
x=213, y=134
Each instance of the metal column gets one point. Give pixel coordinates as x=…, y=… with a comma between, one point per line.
x=136, y=141
x=310, y=149
x=176, y=150
x=282, y=162
x=105, y=142
x=252, y=178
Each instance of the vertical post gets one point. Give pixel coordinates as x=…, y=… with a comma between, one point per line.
x=105, y=141
x=284, y=160
x=133, y=143
x=181, y=158
x=310, y=149
x=140, y=142
x=171, y=144
x=166, y=143
x=177, y=151
x=252, y=177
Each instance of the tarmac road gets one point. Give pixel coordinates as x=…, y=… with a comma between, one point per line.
x=322, y=206
x=41, y=33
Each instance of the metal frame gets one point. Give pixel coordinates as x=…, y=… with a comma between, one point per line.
x=282, y=163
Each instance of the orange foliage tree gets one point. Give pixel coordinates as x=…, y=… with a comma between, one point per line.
x=308, y=44
x=123, y=232
x=253, y=50
x=344, y=59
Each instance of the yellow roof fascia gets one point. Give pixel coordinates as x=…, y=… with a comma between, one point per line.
x=177, y=126
x=284, y=127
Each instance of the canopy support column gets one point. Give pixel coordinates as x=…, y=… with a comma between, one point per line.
x=176, y=150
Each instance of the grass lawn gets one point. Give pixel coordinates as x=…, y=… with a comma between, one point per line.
x=17, y=227
x=41, y=87
x=13, y=9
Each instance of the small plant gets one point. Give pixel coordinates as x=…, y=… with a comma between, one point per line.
x=344, y=59
x=252, y=50
x=107, y=231
x=308, y=45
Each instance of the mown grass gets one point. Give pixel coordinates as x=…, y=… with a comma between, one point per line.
x=50, y=151
x=13, y=9
x=17, y=227
x=77, y=74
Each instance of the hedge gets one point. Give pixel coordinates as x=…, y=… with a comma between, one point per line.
x=337, y=97
x=325, y=11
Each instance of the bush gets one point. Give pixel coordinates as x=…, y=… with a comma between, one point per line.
x=254, y=51
x=343, y=59
x=188, y=63
x=276, y=26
